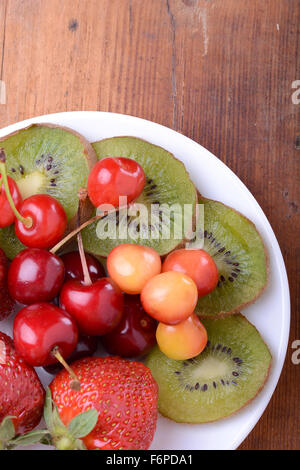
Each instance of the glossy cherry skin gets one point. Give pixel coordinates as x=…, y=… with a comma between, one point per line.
x=131, y=266
x=184, y=340
x=114, y=177
x=97, y=308
x=35, y=275
x=197, y=264
x=40, y=328
x=7, y=217
x=73, y=266
x=86, y=347
x=135, y=334
x=49, y=222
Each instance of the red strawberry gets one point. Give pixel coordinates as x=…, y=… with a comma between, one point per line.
x=6, y=302
x=21, y=392
x=124, y=394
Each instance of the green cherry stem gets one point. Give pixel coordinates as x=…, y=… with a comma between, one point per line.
x=27, y=221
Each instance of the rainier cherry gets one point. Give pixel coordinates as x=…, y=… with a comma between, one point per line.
x=170, y=297
x=182, y=341
x=131, y=266
x=114, y=177
x=35, y=275
x=43, y=333
x=7, y=216
x=40, y=220
x=198, y=265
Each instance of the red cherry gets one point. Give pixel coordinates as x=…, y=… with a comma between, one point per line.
x=97, y=308
x=114, y=177
x=47, y=222
x=7, y=216
x=42, y=328
x=73, y=266
x=86, y=347
x=135, y=334
x=35, y=275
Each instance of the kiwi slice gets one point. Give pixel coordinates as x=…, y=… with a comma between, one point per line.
x=46, y=158
x=225, y=377
x=167, y=184
x=238, y=250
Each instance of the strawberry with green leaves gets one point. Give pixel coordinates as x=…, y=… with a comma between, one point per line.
x=123, y=393
x=21, y=393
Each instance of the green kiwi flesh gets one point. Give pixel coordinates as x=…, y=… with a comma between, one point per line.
x=167, y=182
x=226, y=376
x=238, y=250
x=46, y=159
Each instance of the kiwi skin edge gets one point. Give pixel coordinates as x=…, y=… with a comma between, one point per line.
x=90, y=156
x=247, y=403
x=262, y=290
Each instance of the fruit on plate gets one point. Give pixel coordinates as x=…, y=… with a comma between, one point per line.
x=47, y=159
x=226, y=376
x=167, y=184
x=97, y=307
x=240, y=255
x=85, y=347
x=73, y=266
x=114, y=177
x=197, y=264
x=43, y=333
x=131, y=266
x=35, y=275
x=124, y=394
x=135, y=334
x=21, y=392
x=170, y=297
x=6, y=302
x=7, y=217
x=184, y=340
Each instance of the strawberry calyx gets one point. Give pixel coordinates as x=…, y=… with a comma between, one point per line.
x=56, y=433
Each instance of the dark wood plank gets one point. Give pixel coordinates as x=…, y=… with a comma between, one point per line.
x=219, y=71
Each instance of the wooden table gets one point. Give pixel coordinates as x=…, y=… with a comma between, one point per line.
x=219, y=71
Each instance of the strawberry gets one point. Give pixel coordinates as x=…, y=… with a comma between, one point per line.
x=6, y=302
x=123, y=393
x=21, y=392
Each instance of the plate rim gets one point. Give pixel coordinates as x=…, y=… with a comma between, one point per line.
x=282, y=347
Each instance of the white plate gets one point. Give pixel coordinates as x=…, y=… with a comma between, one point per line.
x=270, y=314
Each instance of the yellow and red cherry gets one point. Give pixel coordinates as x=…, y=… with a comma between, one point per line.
x=182, y=341
x=198, y=265
x=135, y=334
x=131, y=266
x=73, y=266
x=40, y=221
x=97, y=308
x=35, y=275
x=43, y=332
x=7, y=216
x=113, y=177
x=170, y=297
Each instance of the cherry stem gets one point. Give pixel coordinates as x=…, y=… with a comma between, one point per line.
x=86, y=275
x=75, y=384
x=27, y=221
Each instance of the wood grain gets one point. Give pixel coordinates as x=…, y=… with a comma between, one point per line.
x=219, y=71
